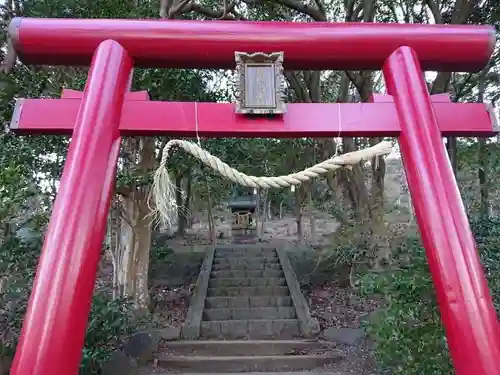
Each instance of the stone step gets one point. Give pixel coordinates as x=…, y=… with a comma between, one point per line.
x=253, y=266
x=269, y=281
x=242, y=250
x=249, y=291
x=250, y=329
x=246, y=274
x=250, y=313
x=246, y=260
x=315, y=372
x=251, y=252
x=219, y=348
x=243, y=302
x=308, y=372
x=268, y=257
x=239, y=364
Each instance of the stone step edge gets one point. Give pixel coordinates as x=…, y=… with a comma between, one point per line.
x=251, y=348
x=251, y=308
x=273, y=373
x=243, y=271
x=247, y=260
x=250, y=320
x=250, y=287
x=238, y=279
x=195, y=358
x=282, y=312
x=286, y=362
x=234, y=298
x=246, y=256
x=173, y=344
x=246, y=278
x=232, y=364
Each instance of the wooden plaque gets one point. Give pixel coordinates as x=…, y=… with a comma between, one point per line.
x=260, y=83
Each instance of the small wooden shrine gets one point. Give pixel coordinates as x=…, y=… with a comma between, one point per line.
x=243, y=206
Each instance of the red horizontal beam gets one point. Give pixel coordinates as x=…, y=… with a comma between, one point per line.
x=211, y=44
x=130, y=95
x=141, y=117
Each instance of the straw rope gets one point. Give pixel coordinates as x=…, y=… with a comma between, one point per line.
x=163, y=190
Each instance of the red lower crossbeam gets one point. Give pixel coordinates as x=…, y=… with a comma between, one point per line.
x=143, y=117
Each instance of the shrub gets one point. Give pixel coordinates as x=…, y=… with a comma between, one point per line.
x=408, y=334
x=110, y=321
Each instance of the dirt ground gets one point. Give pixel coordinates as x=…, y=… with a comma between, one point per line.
x=275, y=231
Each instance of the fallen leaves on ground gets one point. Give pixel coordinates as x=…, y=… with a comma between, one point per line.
x=171, y=303
x=339, y=307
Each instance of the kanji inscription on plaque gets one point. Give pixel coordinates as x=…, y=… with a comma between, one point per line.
x=260, y=83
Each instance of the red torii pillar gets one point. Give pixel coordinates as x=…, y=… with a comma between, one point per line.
x=54, y=327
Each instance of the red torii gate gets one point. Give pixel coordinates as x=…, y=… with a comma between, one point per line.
x=54, y=327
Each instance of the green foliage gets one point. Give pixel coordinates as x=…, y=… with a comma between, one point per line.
x=110, y=321
x=161, y=253
x=408, y=334
x=487, y=232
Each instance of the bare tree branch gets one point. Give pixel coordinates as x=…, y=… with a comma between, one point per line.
x=219, y=14
x=315, y=13
x=461, y=12
x=227, y=9
x=368, y=10
x=298, y=86
x=321, y=7
x=178, y=9
x=314, y=86
x=10, y=59
x=436, y=12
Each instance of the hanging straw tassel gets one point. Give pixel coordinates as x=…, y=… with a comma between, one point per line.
x=163, y=191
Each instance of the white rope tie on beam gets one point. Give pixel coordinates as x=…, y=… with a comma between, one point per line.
x=164, y=191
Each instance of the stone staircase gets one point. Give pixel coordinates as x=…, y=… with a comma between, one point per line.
x=247, y=315
x=248, y=297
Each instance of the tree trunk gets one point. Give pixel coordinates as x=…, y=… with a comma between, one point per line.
x=183, y=202
x=135, y=246
x=257, y=214
x=264, y=213
x=210, y=216
x=114, y=245
x=187, y=201
x=451, y=147
x=461, y=12
x=4, y=283
x=134, y=234
x=299, y=197
x=179, y=200
x=312, y=217
x=484, y=208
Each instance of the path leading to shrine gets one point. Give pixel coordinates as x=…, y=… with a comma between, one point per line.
x=248, y=315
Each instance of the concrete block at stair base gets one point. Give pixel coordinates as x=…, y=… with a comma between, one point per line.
x=191, y=332
x=346, y=336
x=308, y=325
x=170, y=333
x=191, y=329
x=121, y=364
x=141, y=346
x=5, y=364
x=310, y=328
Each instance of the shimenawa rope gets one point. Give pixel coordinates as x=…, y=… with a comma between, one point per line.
x=164, y=190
